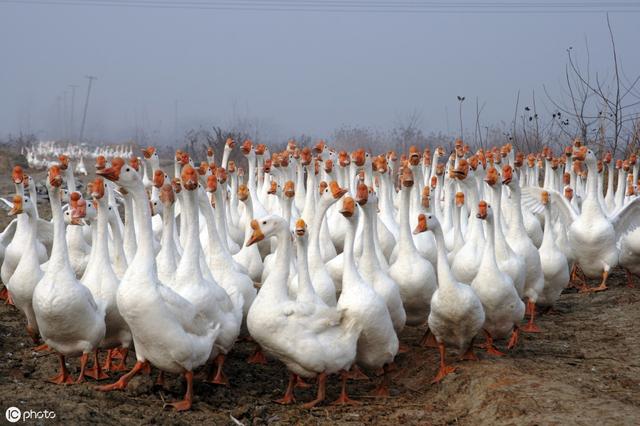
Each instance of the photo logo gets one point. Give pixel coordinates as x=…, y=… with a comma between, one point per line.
x=13, y=414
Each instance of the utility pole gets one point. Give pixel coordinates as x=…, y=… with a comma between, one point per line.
x=73, y=100
x=86, y=105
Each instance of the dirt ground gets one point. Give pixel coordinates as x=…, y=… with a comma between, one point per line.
x=583, y=369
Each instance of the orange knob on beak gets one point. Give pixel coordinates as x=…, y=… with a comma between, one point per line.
x=348, y=207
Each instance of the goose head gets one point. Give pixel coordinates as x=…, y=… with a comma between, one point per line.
x=289, y=189
x=120, y=172
x=63, y=161
x=301, y=229
x=101, y=162
x=17, y=175
x=583, y=153
x=273, y=188
x=348, y=208
x=77, y=209
x=484, y=211
x=568, y=193
x=96, y=188
x=167, y=196
x=229, y=144
x=265, y=227
x=331, y=193
x=245, y=148
x=425, y=199
x=492, y=176
x=54, y=177
x=18, y=205
x=159, y=178
x=149, y=152
x=189, y=178
x=243, y=192
x=426, y=222
x=509, y=178
x=459, y=199
x=544, y=198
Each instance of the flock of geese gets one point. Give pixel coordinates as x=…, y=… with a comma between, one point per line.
x=319, y=257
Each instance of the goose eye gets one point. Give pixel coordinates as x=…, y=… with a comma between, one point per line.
x=127, y=169
x=264, y=222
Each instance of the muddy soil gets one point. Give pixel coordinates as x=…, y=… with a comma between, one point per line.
x=584, y=368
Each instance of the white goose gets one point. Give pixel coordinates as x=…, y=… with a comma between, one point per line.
x=100, y=278
x=554, y=263
x=456, y=314
x=502, y=306
x=168, y=331
x=378, y=343
x=28, y=272
x=70, y=321
x=412, y=272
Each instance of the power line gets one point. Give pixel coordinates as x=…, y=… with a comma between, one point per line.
x=350, y=6
x=86, y=106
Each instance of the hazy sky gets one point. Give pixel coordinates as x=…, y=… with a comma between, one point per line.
x=298, y=72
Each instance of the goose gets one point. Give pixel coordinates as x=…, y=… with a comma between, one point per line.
x=322, y=282
x=378, y=343
x=206, y=295
x=509, y=262
x=168, y=257
x=414, y=274
x=368, y=264
x=554, y=263
x=28, y=272
x=168, y=331
x=592, y=235
x=466, y=263
x=102, y=281
x=502, y=305
x=456, y=314
x=249, y=257
x=237, y=284
x=69, y=319
x=522, y=245
x=14, y=250
x=310, y=337
x=79, y=250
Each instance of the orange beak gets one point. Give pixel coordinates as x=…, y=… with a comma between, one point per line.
x=422, y=224
x=111, y=173
x=301, y=227
x=483, y=210
x=348, y=207
x=256, y=235
x=17, y=205
x=336, y=191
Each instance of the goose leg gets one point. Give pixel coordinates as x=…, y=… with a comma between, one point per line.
x=289, y=397
x=469, y=355
x=107, y=363
x=489, y=347
x=122, y=354
x=357, y=374
x=185, y=404
x=124, y=380
x=531, y=327
x=444, y=368
x=42, y=348
x=344, y=399
x=84, y=359
x=63, y=377
x=257, y=357
x=322, y=386
x=4, y=293
x=33, y=334
x=515, y=334
x=96, y=372
x=301, y=384
x=382, y=390
x=219, y=378
x=428, y=340
x=160, y=380
x=603, y=284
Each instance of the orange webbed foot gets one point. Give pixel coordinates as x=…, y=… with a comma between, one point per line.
x=257, y=357
x=443, y=372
